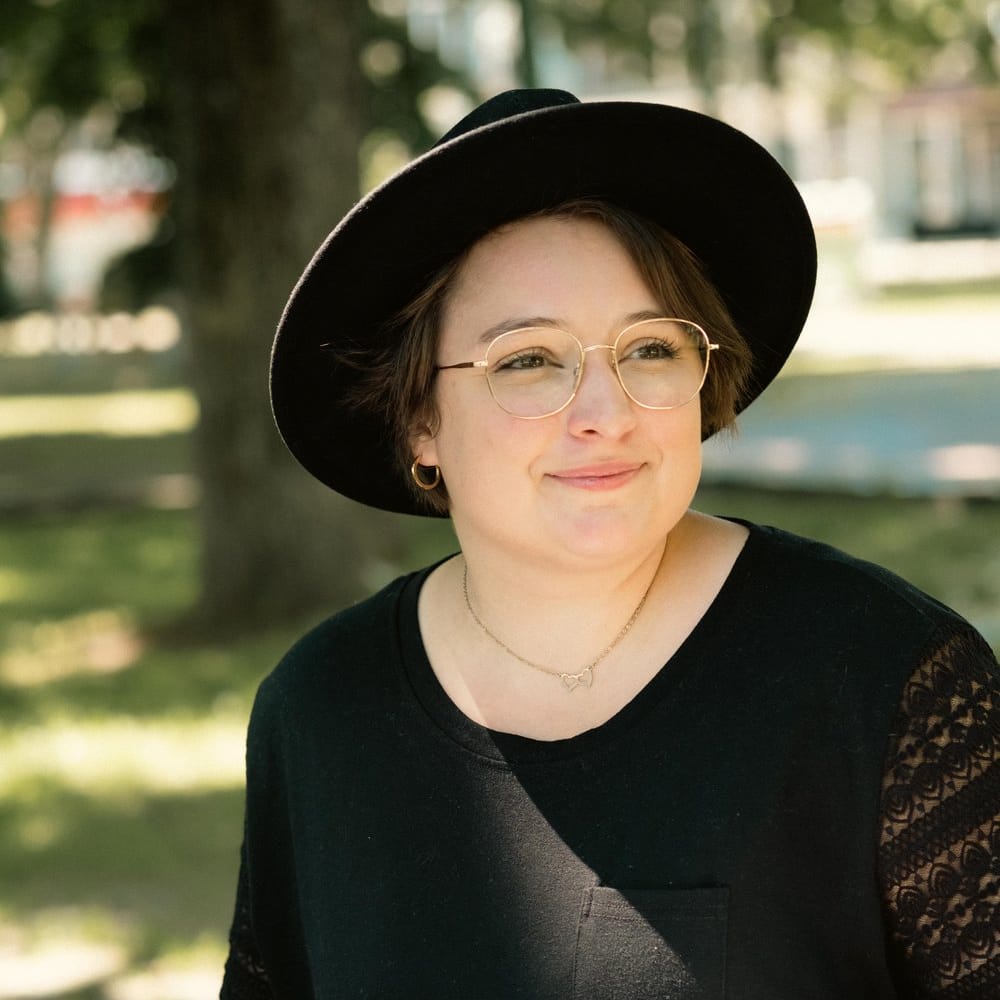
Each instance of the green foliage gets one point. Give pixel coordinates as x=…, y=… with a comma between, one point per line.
x=62, y=59
x=901, y=35
x=73, y=54
x=397, y=80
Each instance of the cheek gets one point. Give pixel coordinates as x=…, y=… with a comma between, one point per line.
x=461, y=437
x=679, y=442
x=692, y=425
x=677, y=430
x=481, y=449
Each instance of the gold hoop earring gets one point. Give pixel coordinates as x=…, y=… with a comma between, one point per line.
x=415, y=472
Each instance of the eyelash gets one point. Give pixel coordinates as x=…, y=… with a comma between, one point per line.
x=670, y=349
x=510, y=361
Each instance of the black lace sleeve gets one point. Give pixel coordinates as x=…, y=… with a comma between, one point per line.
x=939, y=854
x=245, y=977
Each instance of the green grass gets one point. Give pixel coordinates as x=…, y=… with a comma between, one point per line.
x=114, y=414
x=71, y=459
x=80, y=429
x=942, y=297
x=121, y=744
x=86, y=373
x=121, y=750
x=120, y=756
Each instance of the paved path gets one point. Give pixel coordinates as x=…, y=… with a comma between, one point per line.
x=928, y=425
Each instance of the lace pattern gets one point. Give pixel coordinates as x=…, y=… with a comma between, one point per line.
x=245, y=977
x=939, y=855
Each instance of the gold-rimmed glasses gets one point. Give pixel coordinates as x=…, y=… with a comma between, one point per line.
x=535, y=371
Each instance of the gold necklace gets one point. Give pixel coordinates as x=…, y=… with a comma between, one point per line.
x=585, y=678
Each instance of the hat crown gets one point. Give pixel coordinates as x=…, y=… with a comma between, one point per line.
x=521, y=152
x=509, y=104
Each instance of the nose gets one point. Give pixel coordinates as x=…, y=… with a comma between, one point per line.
x=600, y=406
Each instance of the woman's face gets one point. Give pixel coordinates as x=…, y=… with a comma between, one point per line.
x=602, y=479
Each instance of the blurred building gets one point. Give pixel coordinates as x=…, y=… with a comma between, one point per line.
x=899, y=172
x=59, y=237
x=942, y=163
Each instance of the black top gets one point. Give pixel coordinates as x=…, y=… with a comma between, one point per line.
x=802, y=803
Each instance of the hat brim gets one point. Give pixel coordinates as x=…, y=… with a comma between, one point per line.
x=708, y=184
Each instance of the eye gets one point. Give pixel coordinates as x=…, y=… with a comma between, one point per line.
x=652, y=349
x=529, y=359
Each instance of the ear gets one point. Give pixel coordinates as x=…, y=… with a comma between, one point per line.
x=423, y=445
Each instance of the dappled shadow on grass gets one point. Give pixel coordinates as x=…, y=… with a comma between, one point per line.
x=153, y=871
x=69, y=471
x=115, y=434
x=98, y=616
x=167, y=679
x=56, y=566
x=83, y=603
x=50, y=370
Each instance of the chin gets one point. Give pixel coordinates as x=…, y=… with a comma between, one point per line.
x=601, y=533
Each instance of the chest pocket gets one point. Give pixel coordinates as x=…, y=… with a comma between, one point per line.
x=652, y=944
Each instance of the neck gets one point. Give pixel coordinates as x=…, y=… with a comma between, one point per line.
x=557, y=619
x=520, y=585
x=562, y=619
x=523, y=579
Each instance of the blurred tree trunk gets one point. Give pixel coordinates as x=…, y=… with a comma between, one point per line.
x=267, y=107
x=7, y=303
x=527, y=60
x=44, y=137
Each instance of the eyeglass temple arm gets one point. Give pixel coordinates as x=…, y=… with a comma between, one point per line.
x=461, y=364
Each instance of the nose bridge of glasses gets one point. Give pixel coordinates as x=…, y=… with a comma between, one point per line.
x=612, y=365
x=584, y=351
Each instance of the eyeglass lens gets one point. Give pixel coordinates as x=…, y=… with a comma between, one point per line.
x=534, y=372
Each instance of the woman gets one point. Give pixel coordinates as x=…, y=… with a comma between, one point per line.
x=615, y=747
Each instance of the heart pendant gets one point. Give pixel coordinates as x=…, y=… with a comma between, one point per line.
x=583, y=679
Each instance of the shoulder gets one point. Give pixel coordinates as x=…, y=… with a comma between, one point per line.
x=836, y=583
x=347, y=658
x=856, y=630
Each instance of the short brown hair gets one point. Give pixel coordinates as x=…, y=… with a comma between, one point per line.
x=401, y=379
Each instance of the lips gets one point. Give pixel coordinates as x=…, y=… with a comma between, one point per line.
x=602, y=476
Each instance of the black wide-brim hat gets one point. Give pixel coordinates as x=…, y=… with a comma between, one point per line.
x=708, y=184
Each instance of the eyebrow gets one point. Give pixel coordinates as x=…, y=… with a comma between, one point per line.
x=516, y=323
x=523, y=322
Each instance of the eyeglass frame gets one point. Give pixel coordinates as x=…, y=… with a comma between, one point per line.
x=584, y=351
